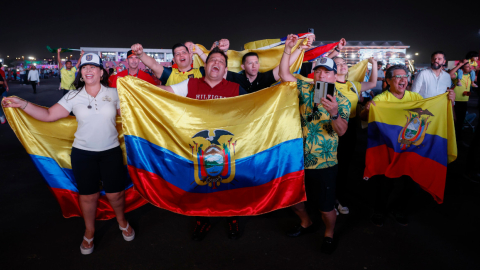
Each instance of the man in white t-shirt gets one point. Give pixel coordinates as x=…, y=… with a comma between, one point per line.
x=432, y=81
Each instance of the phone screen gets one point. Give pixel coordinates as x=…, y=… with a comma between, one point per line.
x=331, y=89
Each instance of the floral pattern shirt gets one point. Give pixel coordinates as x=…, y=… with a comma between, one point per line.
x=320, y=141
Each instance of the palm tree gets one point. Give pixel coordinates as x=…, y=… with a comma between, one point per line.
x=314, y=132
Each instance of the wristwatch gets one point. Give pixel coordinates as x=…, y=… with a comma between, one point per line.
x=334, y=117
x=336, y=49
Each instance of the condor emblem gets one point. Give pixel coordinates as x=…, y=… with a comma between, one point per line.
x=89, y=57
x=413, y=133
x=215, y=163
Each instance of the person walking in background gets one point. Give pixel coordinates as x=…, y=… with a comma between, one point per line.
x=34, y=78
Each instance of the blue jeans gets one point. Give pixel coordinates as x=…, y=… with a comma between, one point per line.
x=1, y=97
x=460, y=75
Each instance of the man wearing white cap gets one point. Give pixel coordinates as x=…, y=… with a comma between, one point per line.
x=322, y=122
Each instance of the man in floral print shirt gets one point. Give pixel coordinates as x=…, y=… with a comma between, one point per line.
x=321, y=125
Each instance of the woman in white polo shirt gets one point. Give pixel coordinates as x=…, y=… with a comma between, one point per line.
x=96, y=153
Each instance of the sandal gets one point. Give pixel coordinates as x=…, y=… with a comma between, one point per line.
x=86, y=251
x=127, y=238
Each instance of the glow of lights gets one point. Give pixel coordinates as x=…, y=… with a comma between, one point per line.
x=408, y=56
x=416, y=53
x=353, y=55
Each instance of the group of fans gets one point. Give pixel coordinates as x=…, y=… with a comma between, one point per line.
x=329, y=126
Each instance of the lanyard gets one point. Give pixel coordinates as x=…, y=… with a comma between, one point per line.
x=136, y=74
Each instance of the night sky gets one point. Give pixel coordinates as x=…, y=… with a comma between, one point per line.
x=27, y=28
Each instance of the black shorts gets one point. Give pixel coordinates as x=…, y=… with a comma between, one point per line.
x=320, y=187
x=94, y=170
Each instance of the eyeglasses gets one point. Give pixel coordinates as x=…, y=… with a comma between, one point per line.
x=400, y=76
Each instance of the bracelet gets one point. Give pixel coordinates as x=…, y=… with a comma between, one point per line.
x=286, y=52
x=140, y=56
x=25, y=106
x=336, y=49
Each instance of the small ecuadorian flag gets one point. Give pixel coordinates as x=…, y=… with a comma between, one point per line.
x=220, y=157
x=49, y=144
x=412, y=138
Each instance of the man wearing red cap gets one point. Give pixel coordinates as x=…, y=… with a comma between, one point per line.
x=133, y=70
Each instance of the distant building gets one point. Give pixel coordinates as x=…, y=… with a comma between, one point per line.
x=120, y=54
x=389, y=52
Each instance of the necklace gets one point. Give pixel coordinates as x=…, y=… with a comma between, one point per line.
x=89, y=106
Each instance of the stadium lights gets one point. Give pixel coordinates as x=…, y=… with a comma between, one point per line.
x=416, y=53
x=408, y=56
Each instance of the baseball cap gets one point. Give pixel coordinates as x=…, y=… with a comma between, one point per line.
x=326, y=63
x=91, y=59
x=130, y=54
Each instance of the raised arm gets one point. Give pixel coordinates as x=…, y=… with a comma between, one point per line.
x=372, y=82
x=284, y=68
x=78, y=62
x=59, y=59
x=337, y=49
x=196, y=50
x=51, y=114
x=454, y=70
x=147, y=60
x=294, y=56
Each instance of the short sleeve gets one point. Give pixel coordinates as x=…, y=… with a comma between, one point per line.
x=67, y=100
x=167, y=71
x=344, y=106
x=181, y=89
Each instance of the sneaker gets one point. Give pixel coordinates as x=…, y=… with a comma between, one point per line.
x=377, y=219
x=2, y=119
x=201, y=230
x=328, y=246
x=400, y=218
x=343, y=209
x=233, y=231
x=299, y=230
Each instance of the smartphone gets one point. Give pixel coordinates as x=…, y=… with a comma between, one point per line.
x=330, y=89
x=216, y=43
x=310, y=30
x=319, y=92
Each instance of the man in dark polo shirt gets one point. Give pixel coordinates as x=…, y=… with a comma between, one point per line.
x=133, y=70
x=211, y=86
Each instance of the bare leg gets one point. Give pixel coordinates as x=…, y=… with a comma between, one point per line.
x=301, y=212
x=329, y=218
x=88, y=204
x=117, y=201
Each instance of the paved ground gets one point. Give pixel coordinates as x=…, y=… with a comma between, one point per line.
x=34, y=235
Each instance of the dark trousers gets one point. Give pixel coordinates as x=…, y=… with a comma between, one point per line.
x=460, y=113
x=345, y=152
x=34, y=86
x=392, y=194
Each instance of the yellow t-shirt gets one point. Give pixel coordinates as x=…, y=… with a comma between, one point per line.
x=466, y=83
x=68, y=77
x=351, y=90
x=388, y=96
x=177, y=76
x=473, y=63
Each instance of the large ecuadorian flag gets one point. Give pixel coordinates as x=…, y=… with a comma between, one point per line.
x=49, y=145
x=220, y=157
x=412, y=138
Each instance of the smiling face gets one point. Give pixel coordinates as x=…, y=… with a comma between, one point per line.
x=251, y=65
x=322, y=74
x=91, y=74
x=342, y=67
x=133, y=61
x=398, y=85
x=216, y=67
x=182, y=58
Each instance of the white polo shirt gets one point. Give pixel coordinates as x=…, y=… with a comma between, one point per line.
x=427, y=84
x=96, y=129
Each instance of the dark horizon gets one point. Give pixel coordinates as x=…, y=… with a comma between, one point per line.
x=422, y=26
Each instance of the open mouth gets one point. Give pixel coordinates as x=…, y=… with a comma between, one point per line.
x=88, y=77
x=401, y=85
x=216, y=68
